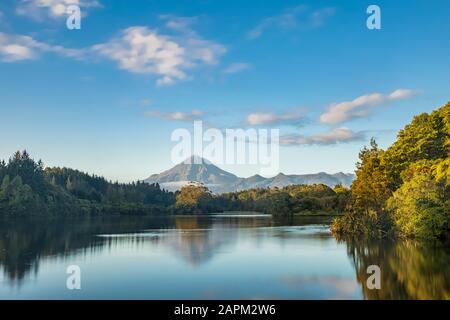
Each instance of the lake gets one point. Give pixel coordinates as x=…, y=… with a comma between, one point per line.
x=226, y=256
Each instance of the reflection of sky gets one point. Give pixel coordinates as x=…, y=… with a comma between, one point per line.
x=220, y=261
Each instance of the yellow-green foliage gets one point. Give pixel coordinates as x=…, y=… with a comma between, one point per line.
x=193, y=198
x=418, y=207
x=425, y=138
x=405, y=188
x=369, y=192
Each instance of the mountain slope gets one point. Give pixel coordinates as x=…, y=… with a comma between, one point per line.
x=196, y=169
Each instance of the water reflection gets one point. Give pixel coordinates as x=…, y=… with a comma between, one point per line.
x=24, y=242
x=279, y=258
x=409, y=270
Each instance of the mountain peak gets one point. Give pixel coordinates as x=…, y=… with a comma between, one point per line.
x=193, y=169
x=196, y=159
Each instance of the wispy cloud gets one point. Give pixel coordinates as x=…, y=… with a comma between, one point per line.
x=293, y=118
x=137, y=49
x=41, y=9
x=143, y=50
x=361, y=106
x=298, y=17
x=177, y=115
x=17, y=47
x=237, y=67
x=334, y=136
x=179, y=24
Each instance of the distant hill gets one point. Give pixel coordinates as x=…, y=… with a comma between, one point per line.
x=196, y=169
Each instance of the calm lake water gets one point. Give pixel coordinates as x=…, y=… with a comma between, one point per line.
x=225, y=256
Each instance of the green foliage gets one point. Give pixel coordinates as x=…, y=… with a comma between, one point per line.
x=343, y=196
x=404, y=189
x=420, y=206
x=27, y=189
x=291, y=199
x=369, y=192
x=425, y=138
x=194, y=198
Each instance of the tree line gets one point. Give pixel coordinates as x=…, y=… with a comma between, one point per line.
x=302, y=199
x=27, y=188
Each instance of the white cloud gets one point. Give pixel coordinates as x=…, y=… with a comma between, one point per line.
x=177, y=115
x=15, y=52
x=237, y=67
x=142, y=50
x=14, y=48
x=334, y=136
x=294, y=117
x=401, y=94
x=136, y=49
x=40, y=9
x=17, y=47
x=300, y=17
x=360, y=106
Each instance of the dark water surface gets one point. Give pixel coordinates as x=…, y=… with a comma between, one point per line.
x=226, y=256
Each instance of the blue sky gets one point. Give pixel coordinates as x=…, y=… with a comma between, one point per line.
x=105, y=99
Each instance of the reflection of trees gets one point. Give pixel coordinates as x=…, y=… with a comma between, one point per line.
x=24, y=242
x=409, y=270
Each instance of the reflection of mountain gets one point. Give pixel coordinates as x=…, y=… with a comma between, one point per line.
x=197, y=169
x=197, y=239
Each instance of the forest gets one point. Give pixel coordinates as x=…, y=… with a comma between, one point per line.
x=27, y=188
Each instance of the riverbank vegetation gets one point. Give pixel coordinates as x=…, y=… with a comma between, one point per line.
x=29, y=189
x=294, y=199
x=404, y=190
